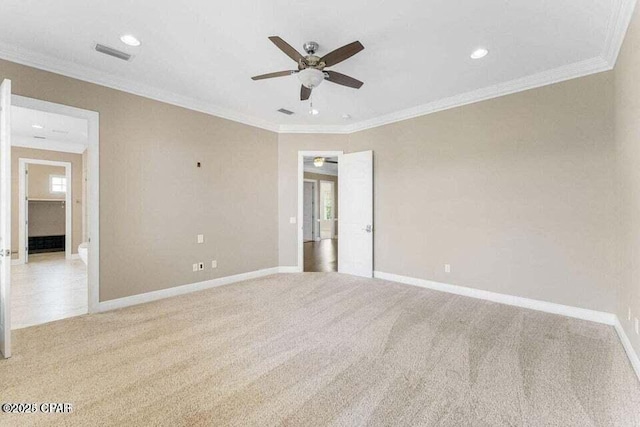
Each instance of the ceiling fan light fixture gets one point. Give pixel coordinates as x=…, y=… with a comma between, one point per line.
x=318, y=162
x=311, y=77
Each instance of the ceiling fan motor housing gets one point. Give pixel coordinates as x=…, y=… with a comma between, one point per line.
x=311, y=47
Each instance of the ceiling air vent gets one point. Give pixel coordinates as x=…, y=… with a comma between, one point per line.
x=112, y=52
x=285, y=111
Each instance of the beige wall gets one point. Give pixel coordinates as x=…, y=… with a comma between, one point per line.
x=516, y=193
x=39, y=181
x=322, y=177
x=627, y=132
x=153, y=199
x=76, y=189
x=47, y=218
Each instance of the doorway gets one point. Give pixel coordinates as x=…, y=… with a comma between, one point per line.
x=43, y=133
x=48, y=278
x=342, y=241
x=45, y=191
x=320, y=200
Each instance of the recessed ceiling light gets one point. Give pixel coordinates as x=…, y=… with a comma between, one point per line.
x=314, y=112
x=479, y=53
x=346, y=116
x=37, y=126
x=130, y=40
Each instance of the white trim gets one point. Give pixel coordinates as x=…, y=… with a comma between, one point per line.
x=628, y=348
x=547, y=307
x=316, y=211
x=75, y=256
x=93, y=189
x=300, y=201
x=287, y=269
x=619, y=21
x=184, y=289
x=620, y=17
x=49, y=145
x=568, y=72
x=22, y=194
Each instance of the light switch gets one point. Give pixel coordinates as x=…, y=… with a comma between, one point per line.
x=195, y=267
x=447, y=268
x=214, y=264
x=292, y=220
x=200, y=238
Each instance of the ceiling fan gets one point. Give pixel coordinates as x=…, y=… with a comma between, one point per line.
x=320, y=161
x=311, y=68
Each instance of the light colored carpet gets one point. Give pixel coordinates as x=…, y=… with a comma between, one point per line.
x=322, y=349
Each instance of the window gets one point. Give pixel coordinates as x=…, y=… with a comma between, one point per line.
x=57, y=184
x=326, y=200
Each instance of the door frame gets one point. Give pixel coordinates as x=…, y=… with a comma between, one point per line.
x=314, y=219
x=93, y=189
x=22, y=205
x=334, y=194
x=301, y=155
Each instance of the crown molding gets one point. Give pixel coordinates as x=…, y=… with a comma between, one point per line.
x=568, y=72
x=92, y=75
x=619, y=20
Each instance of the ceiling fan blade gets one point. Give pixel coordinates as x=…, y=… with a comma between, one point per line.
x=342, y=53
x=342, y=79
x=305, y=93
x=272, y=75
x=287, y=49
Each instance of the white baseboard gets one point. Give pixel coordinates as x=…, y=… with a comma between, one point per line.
x=292, y=269
x=74, y=256
x=547, y=307
x=626, y=343
x=184, y=289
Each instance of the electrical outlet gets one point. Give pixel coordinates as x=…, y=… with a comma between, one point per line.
x=447, y=268
x=293, y=220
x=195, y=267
x=214, y=264
x=201, y=266
x=200, y=238
x=637, y=326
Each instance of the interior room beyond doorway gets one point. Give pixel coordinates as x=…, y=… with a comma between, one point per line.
x=320, y=214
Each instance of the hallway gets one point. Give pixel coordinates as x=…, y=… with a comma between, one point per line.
x=321, y=256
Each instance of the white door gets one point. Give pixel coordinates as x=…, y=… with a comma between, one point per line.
x=5, y=217
x=309, y=207
x=355, y=192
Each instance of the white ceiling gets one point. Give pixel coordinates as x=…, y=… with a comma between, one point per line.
x=201, y=54
x=58, y=133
